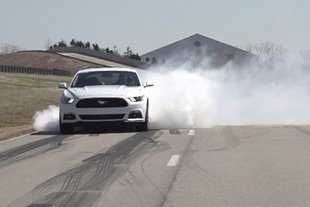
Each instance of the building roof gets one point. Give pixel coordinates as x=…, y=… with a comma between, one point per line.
x=198, y=45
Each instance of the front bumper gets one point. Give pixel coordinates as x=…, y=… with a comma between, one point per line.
x=134, y=112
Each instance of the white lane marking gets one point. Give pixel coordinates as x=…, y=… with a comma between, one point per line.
x=191, y=132
x=174, y=160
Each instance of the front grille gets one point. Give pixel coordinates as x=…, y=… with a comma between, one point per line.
x=101, y=103
x=102, y=117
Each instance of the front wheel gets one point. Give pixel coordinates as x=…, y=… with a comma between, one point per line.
x=66, y=128
x=144, y=126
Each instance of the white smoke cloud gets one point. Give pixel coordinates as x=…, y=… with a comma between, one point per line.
x=47, y=119
x=254, y=95
x=186, y=97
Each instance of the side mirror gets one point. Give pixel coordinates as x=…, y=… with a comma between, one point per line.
x=148, y=85
x=62, y=85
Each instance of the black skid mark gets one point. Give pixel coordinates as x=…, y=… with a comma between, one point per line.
x=92, y=177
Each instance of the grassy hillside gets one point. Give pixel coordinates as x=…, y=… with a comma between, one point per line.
x=22, y=95
x=44, y=60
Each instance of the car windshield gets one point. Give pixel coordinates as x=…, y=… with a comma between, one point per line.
x=106, y=78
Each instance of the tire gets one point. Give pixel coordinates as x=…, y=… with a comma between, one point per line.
x=65, y=128
x=144, y=126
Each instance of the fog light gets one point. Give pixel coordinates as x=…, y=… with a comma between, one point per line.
x=135, y=115
x=69, y=117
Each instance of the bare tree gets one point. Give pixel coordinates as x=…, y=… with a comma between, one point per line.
x=248, y=47
x=8, y=48
x=268, y=52
x=47, y=43
x=116, y=50
x=128, y=52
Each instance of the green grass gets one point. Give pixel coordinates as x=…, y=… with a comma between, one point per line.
x=22, y=95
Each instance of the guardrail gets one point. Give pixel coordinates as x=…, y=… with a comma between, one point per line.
x=37, y=71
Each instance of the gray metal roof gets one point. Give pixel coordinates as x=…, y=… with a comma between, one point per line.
x=201, y=45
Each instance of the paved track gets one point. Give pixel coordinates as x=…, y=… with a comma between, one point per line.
x=220, y=166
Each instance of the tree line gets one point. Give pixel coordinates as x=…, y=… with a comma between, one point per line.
x=267, y=52
x=94, y=46
x=8, y=48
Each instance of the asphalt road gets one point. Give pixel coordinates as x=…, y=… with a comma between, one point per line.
x=220, y=166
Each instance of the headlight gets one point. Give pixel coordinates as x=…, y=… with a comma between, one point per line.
x=136, y=98
x=67, y=98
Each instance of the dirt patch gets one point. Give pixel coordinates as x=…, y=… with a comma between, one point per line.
x=9, y=132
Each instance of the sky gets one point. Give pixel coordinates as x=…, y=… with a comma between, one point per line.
x=145, y=25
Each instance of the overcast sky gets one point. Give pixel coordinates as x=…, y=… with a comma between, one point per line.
x=149, y=24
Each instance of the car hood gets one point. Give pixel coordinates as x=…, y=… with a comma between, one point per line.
x=106, y=91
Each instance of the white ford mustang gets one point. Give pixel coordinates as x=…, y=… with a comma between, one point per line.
x=104, y=95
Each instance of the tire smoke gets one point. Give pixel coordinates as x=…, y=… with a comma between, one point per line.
x=251, y=95
x=200, y=97
x=47, y=119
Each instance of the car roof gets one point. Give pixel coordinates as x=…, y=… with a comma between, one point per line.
x=106, y=69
